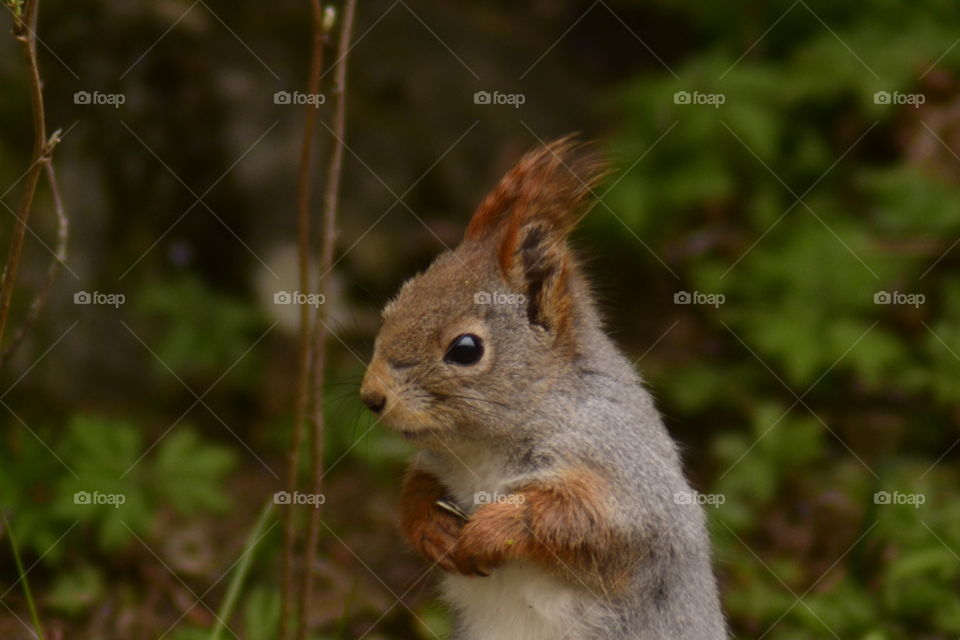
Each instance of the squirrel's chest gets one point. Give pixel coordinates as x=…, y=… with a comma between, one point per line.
x=471, y=482
x=522, y=602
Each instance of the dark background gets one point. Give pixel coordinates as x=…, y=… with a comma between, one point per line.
x=801, y=200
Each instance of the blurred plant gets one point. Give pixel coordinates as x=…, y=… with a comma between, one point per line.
x=25, y=14
x=16, y=7
x=254, y=538
x=185, y=311
x=306, y=361
x=107, y=457
x=261, y=612
x=808, y=198
x=22, y=579
x=75, y=591
x=310, y=406
x=109, y=487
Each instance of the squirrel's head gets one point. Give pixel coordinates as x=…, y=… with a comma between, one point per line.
x=472, y=344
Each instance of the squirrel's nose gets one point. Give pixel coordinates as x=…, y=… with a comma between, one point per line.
x=374, y=400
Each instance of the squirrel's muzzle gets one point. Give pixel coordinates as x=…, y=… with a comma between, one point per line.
x=374, y=400
x=373, y=389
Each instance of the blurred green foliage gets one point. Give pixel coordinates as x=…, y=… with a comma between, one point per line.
x=800, y=198
x=103, y=484
x=202, y=332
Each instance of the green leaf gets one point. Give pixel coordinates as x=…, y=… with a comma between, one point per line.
x=76, y=591
x=107, y=491
x=261, y=613
x=188, y=473
x=201, y=332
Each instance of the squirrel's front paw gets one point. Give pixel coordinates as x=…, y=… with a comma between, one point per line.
x=494, y=534
x=434, y=536
x=430, y=530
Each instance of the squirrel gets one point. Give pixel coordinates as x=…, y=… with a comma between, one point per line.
x=545, y=485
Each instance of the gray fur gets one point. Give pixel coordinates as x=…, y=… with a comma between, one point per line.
x=526, y=413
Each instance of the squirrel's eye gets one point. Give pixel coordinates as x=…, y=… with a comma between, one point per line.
x=465, y=350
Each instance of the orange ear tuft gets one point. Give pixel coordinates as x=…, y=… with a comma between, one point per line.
x=528, y=216
x=548, y=184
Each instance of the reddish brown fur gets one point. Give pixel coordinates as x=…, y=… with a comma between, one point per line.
x=548, y=183
x=539, y=197
x=431, y=531
x=561, y=526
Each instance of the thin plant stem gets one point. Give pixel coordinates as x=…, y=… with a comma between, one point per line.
x=59, y=259
x=240, y=575
x=320, y=36
x=25, y=31
x=320, y=331
x=23, y=576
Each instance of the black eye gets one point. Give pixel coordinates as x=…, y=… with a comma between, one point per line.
x=465, y=350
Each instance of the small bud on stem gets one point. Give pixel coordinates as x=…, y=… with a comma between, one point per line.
x=329, y=19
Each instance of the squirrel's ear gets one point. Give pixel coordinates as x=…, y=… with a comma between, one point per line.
x=528, y=216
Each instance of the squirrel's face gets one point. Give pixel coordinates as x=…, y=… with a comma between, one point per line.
x=469, y=347
x=436, y=359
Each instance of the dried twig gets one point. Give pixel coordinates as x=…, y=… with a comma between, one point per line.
x=313, y=333
x=320, y=328
x=59, y=259
x=321, y=28
x=25, y=31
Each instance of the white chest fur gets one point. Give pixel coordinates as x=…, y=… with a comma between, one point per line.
x=519, y=601
x=523, y=602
